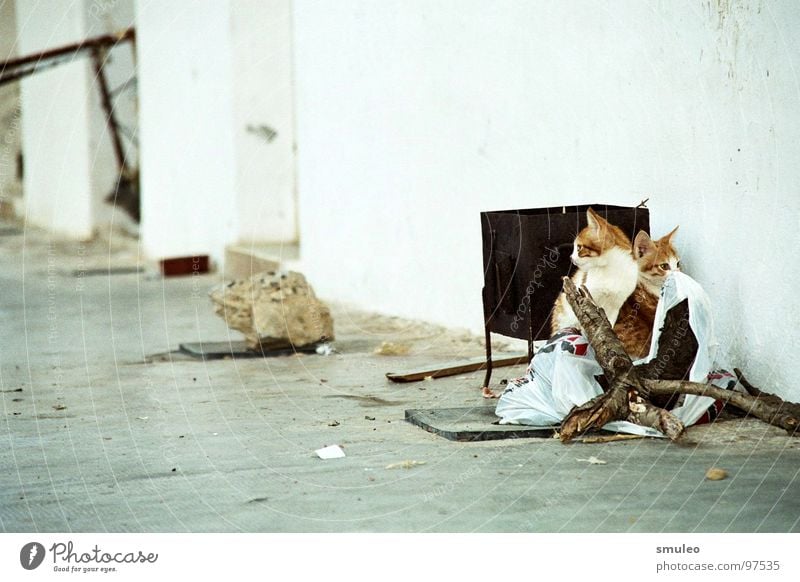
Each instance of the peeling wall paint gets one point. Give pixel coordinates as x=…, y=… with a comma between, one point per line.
x=733, y=20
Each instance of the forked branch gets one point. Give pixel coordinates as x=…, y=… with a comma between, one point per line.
x=632, y=389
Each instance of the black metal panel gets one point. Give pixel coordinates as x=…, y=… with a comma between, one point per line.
x=525, y=255
x=476, y=423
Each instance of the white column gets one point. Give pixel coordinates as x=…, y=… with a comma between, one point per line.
x=188, y=169
x=10, y=121
x=55, y=122
x=216, y=125
x=263, y=114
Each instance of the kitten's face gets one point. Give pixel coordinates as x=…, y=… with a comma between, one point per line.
x=593, y=242
x=656, y=259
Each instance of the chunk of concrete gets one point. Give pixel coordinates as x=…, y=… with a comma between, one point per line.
x=274, y=310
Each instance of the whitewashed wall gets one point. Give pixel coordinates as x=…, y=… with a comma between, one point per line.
x=10, y=113
x=69, y=162
x=263, y=114
x=106, y=17
x=413, y=116
x=188, y=171
x=55, y=123
x=217, y=134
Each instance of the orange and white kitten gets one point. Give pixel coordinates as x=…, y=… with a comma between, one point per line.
x=656, y=260
x=606, y=266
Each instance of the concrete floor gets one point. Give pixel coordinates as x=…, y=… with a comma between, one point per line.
x=99, y=433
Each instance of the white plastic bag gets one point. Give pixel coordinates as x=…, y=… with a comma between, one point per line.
x=562, y=373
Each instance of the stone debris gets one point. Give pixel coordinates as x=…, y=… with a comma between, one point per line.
x=392, y=349
x=592, y=461
x=407, y=464
x=274, y=310
x=716, y=474
x=325, y=349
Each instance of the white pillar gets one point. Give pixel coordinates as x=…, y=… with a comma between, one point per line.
x=10, y=121
x=264, y=118
x=216, y=125
x=56, y=122
x=188, y=170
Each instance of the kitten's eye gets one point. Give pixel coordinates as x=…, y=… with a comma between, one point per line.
x=579, y=247
x=664, y=266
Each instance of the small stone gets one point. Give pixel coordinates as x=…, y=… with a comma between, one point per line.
x=716, y=474
x=392, y=349
x=592, y=461
x=334, y=423
x=325, y=349
x=407, y=464
x=369, y=417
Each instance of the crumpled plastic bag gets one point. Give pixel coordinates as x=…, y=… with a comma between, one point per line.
x=562, y=373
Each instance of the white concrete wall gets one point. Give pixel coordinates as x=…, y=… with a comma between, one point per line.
x=413, y=116
x=105, y=17
x=55, y=122
x=214, y=82
x=10, y=112
x=70, y=164
x=263, y=103
x=188, y=171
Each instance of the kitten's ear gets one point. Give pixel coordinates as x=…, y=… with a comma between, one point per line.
x=642, y=244
x=596, y=222
x=668, y=237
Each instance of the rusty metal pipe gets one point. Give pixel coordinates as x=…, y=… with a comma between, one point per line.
x=21, y=73
x=105, y=40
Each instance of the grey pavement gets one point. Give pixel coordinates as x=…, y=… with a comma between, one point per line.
x=102, y=428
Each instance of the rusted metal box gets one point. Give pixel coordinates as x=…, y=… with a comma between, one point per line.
x=525, y=255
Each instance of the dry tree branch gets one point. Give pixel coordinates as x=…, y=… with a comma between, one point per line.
x=661, y=380
x=766, y=407
x=623, y=400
